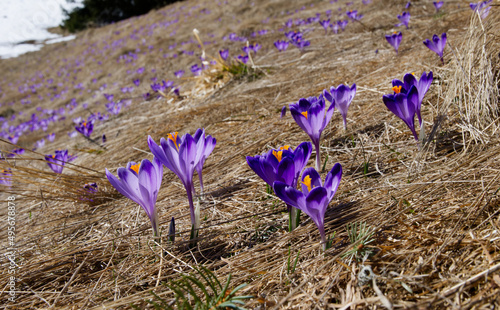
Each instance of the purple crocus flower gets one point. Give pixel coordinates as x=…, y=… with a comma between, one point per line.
x=243, y=58
x=394, y=40
x=437, y=45
x=85, y=128
x=181, y=155
x=403, y=106
x=246, y=49
x=224, y=54
x=422, y=86
x=179, y=74
x=207, y=145
x=297, y=40
x=310, y=114
x=404, y=18
x=141, y=183
x=196, y=70
x=325, y=24
x=136, y=82
x=283, y=111
x=314, y=198
x=57, y=161
x=255, y=47
x=353, y=14
x=51, y=137
x=341, y=97
x=284, y=165
x=438, y=5
x=408, y=5
x=40, y=143
x=5, y=177
x=90, y=188
x=281, y=45
x=342, y=24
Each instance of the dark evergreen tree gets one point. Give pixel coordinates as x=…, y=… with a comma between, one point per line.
x=95, y=13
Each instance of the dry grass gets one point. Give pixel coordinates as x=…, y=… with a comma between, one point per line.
x=435, y=212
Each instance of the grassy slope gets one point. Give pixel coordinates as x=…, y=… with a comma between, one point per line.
x=435, y=212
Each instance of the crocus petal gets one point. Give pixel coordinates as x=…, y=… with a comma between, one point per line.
x=317, y=202
x=148, y=178
x=290, y=195
x=124, y=190
x=286, y=170
x=315, y=180
x=332, y=180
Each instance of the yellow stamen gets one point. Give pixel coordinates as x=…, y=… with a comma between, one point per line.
x=135, y=168
x=395, y=32
x=174, y=138
x=304, y=113
x=397, y=89
x=307, y=182
x=53, y=156
x=278, y=155
x=285, y=147
x=413, y=73
x=84, y=124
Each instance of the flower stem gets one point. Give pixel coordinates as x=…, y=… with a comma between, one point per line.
x=292, y=218
x=194, y=221
x=318, y=156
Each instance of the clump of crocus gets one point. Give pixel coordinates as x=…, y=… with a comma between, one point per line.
x=341, y=97
x=404, y=18
x=182, y=155
x=422, y=86
x=141, y=183
x=438, y=5
x=57, y=161
x=312, y=116
x=85, y=127
x=281, y=45
x=353, y=14
x=284, y=165
x=297, y=40
x=482, y=7
x=314, y=198
x=394, y=40
x=437, y=45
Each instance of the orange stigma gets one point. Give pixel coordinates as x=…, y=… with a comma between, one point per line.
x=395, y=32
x=174, y=138
x=397, y=89
x=278, y=155
x=307, y=182
x=135, y=168
x=304, y=113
